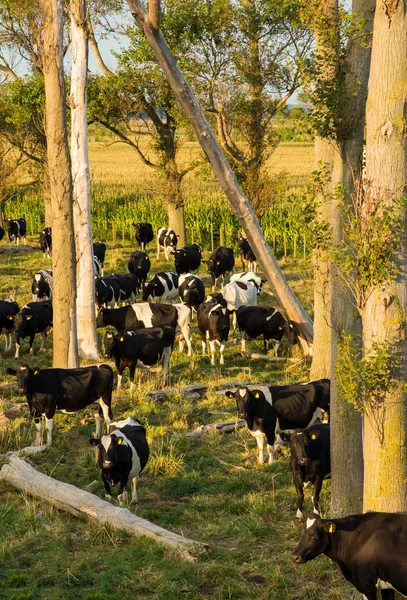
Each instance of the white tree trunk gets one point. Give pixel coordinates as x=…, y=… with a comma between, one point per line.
x=85, y=300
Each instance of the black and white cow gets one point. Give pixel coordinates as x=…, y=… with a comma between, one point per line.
x=148, y=347
x=187, y=259
x=17, y=229
x=248, y=276
x=34, y=317
x=122, y=455
x=107, y=291
x=96, y=266
x=127, y=284
x=46, y=241
x=237, y=294
x=139, y=265
x=167, y=240
x=214, y=326
x=99, y=250
x=220, y=263
x=256, y=322
x=41, y=287
x=50, y=391
x=271, y=409
x=310, y=460
x=369, y=550
x=162, y=287
x=144, y=234
x=8, y=312
x=246, y=255
x=191, y=290
x=1, y=233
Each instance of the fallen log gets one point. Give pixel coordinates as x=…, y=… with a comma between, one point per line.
x=227, y=427
x=18, y=249
x=190, y=391
x=276, y=359
x=65, y=496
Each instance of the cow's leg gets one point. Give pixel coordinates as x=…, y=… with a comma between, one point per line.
x=132, y=373
x=9, y=339
x=122, y=495
x=317, y=490
x=38, y=425
x=242, y=345
x=165, y=363
x=299, y=488
x=266, y=345
x=25, y=241
x=18, y=241
x=181, y=346
x=276, y=347
x=260, y=439
x=203, y=347
x=32, y=344
x=98, y=420
x=166, y=252
x=158, y=249
x=134, y=497
x=119, y=380
x=270, y=452
x=234, y=319
x=108, y=492
x=17, y=354
x=221, y=350
x=49, y=424
x=212, y=345
x=188, y=341
x=43, y=338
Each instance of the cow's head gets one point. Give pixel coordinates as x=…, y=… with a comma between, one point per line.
x=113, y=452
x=315, y=540
x=214, y=267
x=249, y=403
x=24, y=323
x=289, y=332
x=179, y=255
x=153, y=289
x=23, y=373
x=219, y=322
x=102, y=317
x=108, y=343
x=217, y=299
x=242, y=244
x=299, y=441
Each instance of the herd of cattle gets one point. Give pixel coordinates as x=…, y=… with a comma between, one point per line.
x=366, y=547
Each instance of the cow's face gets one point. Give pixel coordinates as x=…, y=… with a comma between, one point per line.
x=22, y=373
x=40, y=285
x=219, y=322
x=100, y=319
x=154, y=289
x=243, y=399
x=179, y=257
x=242, y=244
x=300, y=441
x=109, y=342
x=112, y=454
x=316, y=539
x=214, y=267
x=289, y=332
x=24, y=324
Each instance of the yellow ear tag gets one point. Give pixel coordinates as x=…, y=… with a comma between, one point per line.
x=36, y=371
x=29, y=317
x=257, y=395
x=313, y=437
x=332, y=528
x=120, y=441
x=122, y=339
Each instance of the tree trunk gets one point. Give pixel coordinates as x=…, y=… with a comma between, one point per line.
x=46, y=186
x=225, y=176
x=383, y=318
x=85, y=300
x=63, y=252
x=176, y=221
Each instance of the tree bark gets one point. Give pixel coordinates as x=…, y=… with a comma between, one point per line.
x=65, y=346
x=383, y=318
x=225, y=176
x=176, y=221
x=85, y=300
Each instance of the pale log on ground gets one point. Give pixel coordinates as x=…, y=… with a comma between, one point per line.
x=65, y=496
x=226, y=427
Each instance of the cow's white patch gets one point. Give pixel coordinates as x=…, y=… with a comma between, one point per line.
x=224, y=311
x=106, y=441
x=271, y=316
x=299, y=514
x=215, y=308
x=267, y=394
x=242, y=392
x=310, y=523
x=383, y=585
x=124, y=422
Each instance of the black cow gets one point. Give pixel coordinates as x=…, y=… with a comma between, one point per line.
x=310, y=460
x=122, y=454
x=191, y=290
x=369, y=550
x=8, y=311
x=162, y=287
x=46, y=241
x=148, y=346
x=99, y=250
x=214, y=326
x=50, y=391
x=167, y=239
x=127, y=284
x=34, y=317
x=144, y=234
x=1, y=233
x=17, y=229
x=139, y=265
x=220, y=263
x=270, y=409
x=107, y=291
x=263, y=322
x=187, y=259
x=41, y=287
x=246, y=255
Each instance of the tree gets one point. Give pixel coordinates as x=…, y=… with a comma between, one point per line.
x=63, y=250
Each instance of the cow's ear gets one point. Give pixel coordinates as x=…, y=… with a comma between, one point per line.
x=94, y=441
x=329, y=527
x=28, y=317
x=229, y=394
x=285, y=436
x=36, y=371
x=10, y=317
x=313, y=435
x=11, y=371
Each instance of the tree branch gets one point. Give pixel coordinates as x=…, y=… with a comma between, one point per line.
x=154, y=11
x=95, y=49
x=9, y=71
x=130, y=142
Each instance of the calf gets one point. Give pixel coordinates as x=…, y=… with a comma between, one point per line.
x=220, y=263
x=8, y=311
x=237, y=294
x=122, y=454
x=187, y=259
x=162, y=287
x=35, y=317
x=214, y=325
x=99, y=250
x=144, y=234
x=271, y=409
x=147, y=346
x=139, y=265
x=50, y=391
x=16, y=230
x=246, y=255
x=41, y=287
x=310, y=460
x=46, y=241
x=107, y=291
x=369, y=550
x=191, y=290
x=167, y=239
x=256, y=322
x=1, y=233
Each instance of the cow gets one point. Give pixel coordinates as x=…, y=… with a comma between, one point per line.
x=191, y=290
x=220, y=263
x=46, y=241
x=214, y=325
x=1, y=233
x=310, y=460
x=41, y=287
x=248, y=276
x=50, y=391
x=17, y=229
x=107, y=291
x=369, y=550
x=237, y=294
x=144, y=234
x=246, y=255
x=271, y=409
x=127, y=284
x=99, y=250
x=8, y=311
x=162, y=287
x=34, y=317
x=167, y=239
x=122, y=454
x=132, y=347
x=256, y=322
x=96, y=267
x=139, y=265
x=187, y=259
